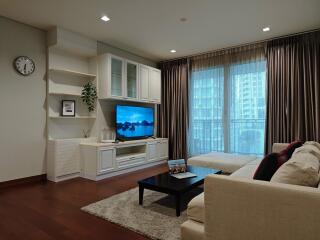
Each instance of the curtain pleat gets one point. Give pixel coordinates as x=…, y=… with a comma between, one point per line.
x=293, y=89
x=173, y=111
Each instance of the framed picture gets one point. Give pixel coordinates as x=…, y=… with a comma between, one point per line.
x=68, y=108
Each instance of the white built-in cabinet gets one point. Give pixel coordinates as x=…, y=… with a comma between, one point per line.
x=144, y=82
x=122, y=79
x=105, y=163
x=104, y=160
x=158, y=150
x=131, y=79
x=154, y=85
x=150, y=84
x=73, y=62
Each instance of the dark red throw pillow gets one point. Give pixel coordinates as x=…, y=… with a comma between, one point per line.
x=267, y=167
x=270, y=164
x=292, y=146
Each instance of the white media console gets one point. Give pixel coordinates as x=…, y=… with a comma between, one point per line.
x=101, y=160
x=87, y=158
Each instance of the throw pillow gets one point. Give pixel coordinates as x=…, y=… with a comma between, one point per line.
x=302, y=169
x=267, y=167
x=292, y=146
x=270, y=164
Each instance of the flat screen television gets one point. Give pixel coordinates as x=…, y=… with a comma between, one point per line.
x=134, y=122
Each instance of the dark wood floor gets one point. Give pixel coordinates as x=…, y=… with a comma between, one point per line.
x=52, y=210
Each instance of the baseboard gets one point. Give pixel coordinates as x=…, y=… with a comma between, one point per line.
x=23, y=181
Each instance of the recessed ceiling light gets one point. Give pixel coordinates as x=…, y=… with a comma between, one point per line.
x=105, y=18
x=266, y=29
x=173, y=51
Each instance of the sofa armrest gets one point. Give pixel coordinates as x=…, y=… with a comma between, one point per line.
x=278, y=147
x=247, y=209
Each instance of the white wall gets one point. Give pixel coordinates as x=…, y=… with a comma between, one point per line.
x=22, y=102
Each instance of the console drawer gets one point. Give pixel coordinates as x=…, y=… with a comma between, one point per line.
x=131, y=161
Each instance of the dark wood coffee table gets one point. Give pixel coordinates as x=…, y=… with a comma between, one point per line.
x=165, y=183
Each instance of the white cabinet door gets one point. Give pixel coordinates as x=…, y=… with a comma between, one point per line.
x=144, y=83
x=131, y=79
x=116, y=76
x=106, y=160
x=155, y=85
x=153, y=151
x=163, y=149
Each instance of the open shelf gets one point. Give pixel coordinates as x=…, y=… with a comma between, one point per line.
x=65, y=94
x=74, y=73
x=131, y=152
x=130, y=155
x=76, y=117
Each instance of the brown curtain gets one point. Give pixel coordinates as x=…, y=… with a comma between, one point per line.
x=173, y=111
x=293, y=80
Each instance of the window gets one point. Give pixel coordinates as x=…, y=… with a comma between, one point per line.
x=227, y=109
x=206, y=113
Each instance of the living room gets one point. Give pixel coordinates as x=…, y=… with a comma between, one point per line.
x=160, y=120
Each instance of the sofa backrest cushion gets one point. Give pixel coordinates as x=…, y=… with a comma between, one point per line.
x=302, y=169
x=271, y=163
x=278, y=147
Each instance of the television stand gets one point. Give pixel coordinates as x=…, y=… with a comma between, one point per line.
x=102, y=160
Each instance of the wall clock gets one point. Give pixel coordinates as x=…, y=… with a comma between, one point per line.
x=24, y=65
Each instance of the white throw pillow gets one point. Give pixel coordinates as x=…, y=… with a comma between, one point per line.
x=301, y=169
x=312, y=143
x=310, y=146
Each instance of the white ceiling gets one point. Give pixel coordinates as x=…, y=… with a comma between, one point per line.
x=150, y=28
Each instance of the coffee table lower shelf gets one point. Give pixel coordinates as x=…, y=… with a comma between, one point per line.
x=176, y=195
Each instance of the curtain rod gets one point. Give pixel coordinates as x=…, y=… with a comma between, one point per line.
x=241, y=45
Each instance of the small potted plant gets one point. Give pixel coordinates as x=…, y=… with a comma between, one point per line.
x=89, y=95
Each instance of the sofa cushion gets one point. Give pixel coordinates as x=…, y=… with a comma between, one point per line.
x=301, y=169
x=278, y=147
x=192, y=230
x=226, y=162
x=195, y=209
x=247, y=171
x=314, y=146
x=270, y=164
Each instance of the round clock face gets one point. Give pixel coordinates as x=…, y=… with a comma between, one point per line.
x=24, y=65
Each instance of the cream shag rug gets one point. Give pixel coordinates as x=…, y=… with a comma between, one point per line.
x=155, y=219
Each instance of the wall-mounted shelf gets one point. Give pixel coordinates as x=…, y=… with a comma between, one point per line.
x=65, y=94
x=74, y=73
x=76, y=117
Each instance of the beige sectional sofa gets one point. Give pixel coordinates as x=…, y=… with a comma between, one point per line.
x=236, y=207
x=226, y=162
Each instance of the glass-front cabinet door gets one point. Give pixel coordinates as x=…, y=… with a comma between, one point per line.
x=116, y=76
x=131, y=79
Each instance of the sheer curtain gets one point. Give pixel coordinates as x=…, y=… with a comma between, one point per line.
x=227, y=101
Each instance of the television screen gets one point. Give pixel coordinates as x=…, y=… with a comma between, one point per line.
x=134, y=122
